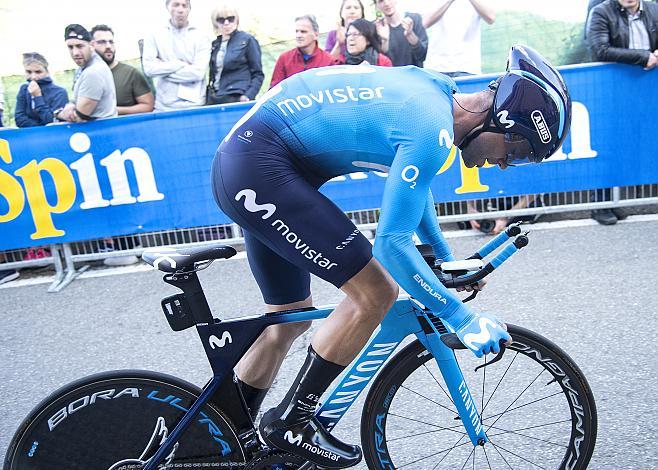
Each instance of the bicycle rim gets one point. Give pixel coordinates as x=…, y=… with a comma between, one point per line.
x=536, y=406
x=116, y=421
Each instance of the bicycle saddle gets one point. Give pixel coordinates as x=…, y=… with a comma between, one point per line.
x=170, y=260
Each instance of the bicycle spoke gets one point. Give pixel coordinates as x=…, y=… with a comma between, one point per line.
x=525, y=404
x=454, y=446
x=501, y=455
x=516, y=455
x=486, y=457
x=498, y=384
x=510, y=431
x=484, y=381
x=441, y=428
x=447, y=450
x=519, y=396
x=437, y=382
x=526, y=429
x=430, y=400
x=469, y=458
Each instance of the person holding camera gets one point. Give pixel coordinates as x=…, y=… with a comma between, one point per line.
x=236, y=71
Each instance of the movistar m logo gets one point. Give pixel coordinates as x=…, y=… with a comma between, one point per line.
x=283, y=229
x=502, y=117
x=216, y=342
x=475, y=340
x=290, y=437
x=250, y=203
x=327, y=96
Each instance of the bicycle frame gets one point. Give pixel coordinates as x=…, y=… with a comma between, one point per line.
x=225, y=342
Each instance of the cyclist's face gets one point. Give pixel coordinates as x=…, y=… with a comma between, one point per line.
x=488, y=147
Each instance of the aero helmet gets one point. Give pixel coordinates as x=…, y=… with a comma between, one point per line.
x=531, y=107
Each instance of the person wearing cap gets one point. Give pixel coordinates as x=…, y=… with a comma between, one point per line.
x=176, y=56
x=94, y=96
x=39, y=97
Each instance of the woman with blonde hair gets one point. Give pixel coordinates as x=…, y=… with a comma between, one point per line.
x=39, y=98
x=236, y=71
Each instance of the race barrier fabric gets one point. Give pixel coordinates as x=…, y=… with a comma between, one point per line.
x=137, y=174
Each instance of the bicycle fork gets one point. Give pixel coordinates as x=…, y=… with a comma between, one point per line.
x=457, y=387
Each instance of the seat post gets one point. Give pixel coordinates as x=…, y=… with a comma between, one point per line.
x=189, y=283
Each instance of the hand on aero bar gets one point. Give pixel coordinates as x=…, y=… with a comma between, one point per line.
x=480, y=332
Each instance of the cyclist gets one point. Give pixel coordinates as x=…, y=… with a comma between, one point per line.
x=336, y=120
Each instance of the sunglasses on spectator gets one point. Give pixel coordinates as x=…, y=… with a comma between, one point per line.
x=222, y=19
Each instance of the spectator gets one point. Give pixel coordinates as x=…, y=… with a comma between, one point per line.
x=622, y=31
x=403, y=37
x=350, y=10
x=133, y=93
x=39, y=97
x=176, y=56
x=236, y=70
x=93, y=88
x=363, y=45
x=307, y=54
x=495, y=226
x=454, y=44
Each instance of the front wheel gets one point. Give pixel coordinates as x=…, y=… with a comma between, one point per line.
x=116, y=421
x=537, y=409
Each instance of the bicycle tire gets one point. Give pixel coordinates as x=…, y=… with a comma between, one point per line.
x=117, y=420
x=409, y=420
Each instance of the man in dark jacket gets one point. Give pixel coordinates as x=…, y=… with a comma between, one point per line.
x=621, y=31
x=624, y=31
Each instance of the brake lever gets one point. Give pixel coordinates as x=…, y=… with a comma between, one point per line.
x=471, y=297
x=452, y=341
x=498, y=357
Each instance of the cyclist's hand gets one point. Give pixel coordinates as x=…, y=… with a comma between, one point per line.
x=482, y=333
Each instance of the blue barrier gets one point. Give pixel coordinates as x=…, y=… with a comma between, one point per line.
x=150, y=172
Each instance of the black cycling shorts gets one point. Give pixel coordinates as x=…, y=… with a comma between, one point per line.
x=291, y=229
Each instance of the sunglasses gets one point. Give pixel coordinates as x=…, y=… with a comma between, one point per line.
x=222, y=19
x=518, y=150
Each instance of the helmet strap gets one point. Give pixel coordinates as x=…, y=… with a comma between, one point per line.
x=487, y=125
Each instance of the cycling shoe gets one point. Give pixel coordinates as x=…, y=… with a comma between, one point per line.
x=308, y=440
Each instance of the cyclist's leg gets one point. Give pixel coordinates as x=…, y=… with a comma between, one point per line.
x=260, y=364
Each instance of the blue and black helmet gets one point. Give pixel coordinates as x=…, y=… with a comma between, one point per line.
x=531, y=107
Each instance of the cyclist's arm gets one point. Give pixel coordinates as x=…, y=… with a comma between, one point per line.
x=418, y=158
x=429, y=231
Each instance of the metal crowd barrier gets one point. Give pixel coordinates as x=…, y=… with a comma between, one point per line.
x=64, y=257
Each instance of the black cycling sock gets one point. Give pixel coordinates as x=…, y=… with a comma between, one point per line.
x=313, y=379
x=253, y=397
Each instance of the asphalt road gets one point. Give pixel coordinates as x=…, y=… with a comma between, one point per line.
x=589, y=288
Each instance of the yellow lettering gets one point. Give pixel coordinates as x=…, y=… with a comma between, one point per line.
x=470, y=179
x=42, y=211
x=10, y=189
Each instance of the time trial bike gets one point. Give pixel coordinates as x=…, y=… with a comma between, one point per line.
x=431, y=405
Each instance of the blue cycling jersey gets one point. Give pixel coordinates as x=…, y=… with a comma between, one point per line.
x=341, y=119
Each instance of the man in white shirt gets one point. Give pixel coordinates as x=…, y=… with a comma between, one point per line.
x=454, y=39
x=177, y=56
